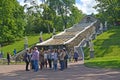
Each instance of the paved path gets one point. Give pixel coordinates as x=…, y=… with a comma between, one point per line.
x=76, y=71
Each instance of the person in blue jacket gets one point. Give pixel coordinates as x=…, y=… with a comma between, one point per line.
x=75, y=56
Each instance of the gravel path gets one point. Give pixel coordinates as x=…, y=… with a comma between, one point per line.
x=76, y=71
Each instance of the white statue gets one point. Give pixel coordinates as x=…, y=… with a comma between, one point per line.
x=40, y=38
x=91, y=45
x=101, y=26
x=41, y=34
x=105, y=25
x=26, y=40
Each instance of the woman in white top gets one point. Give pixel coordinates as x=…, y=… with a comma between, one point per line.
x=55, y=60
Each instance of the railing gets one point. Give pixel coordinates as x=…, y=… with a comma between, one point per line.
x=79, y=48
x=3, y=60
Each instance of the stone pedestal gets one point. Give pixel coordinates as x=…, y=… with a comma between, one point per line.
x=25, y=46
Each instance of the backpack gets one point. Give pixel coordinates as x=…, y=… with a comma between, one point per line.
x=66, y=56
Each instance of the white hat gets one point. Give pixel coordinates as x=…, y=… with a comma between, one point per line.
x=36, y=48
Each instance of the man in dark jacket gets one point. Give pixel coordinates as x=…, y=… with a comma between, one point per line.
x=27, y=59
x=8, y=58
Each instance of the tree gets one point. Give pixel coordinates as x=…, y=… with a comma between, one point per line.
x=109, y=10
x=11, y=20
x=53, y=14
x=62, y=8
x=75, y=16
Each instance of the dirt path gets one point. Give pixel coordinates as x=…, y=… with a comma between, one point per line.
x=76, y=71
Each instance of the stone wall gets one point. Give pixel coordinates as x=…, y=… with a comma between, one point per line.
x=82, y=35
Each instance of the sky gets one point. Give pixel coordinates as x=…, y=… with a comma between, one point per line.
x=85, y=5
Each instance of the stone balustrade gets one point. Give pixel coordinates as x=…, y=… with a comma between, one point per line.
x=73, y=36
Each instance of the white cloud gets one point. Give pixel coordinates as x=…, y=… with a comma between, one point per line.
x=28, y=2
x=21, y=2
x=87, y=6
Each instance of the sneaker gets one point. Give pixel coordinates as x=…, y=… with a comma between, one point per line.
x=27, y=70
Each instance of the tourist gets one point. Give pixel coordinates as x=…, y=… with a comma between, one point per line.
x=55, y=60
x=49, y=59
x=75, y=57
x=15, y=52
x=52, y=56
x=31, y=59
x=8, y=58
x=41, y=59
x=62, y=55
x=27, y=59
x=65, y=58
x=45, y=58
x=35, y=57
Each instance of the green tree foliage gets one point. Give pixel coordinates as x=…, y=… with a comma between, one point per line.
x=17, y=21
x=109, y=10
x=39, y=18
x=51, y=14
x=11, y=21
x=75, y=16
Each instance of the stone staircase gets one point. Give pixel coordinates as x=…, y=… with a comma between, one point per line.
x=69, y=37
x=72, y=36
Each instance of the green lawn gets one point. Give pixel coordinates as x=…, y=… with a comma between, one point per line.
x=19, y=45
x=107, y=50
x=104, y=62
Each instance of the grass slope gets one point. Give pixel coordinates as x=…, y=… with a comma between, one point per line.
x=19, y=45
x=107, y=50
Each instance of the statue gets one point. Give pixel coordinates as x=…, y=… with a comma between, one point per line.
x=91, y=48
x=105, y=25
x=41, y=34
x=40, y=38
x=54, y=31
x=25, y=42
x=101, y=27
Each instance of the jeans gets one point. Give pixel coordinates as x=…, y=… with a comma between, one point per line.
x=55, y=67
x=62, y=64
x=36, y=65
x=32, y=64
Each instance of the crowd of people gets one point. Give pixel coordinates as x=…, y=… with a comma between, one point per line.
x=39, y=59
